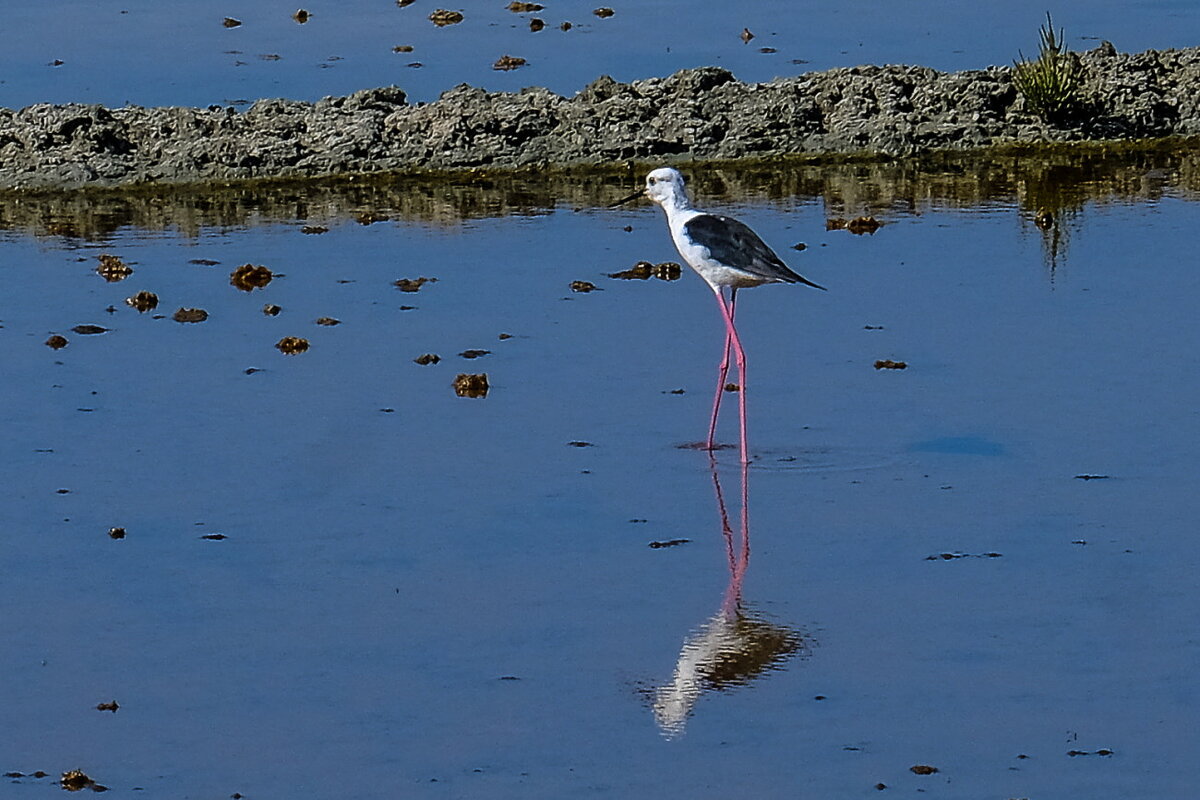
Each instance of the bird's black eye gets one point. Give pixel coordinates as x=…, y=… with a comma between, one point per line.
x=652, y=180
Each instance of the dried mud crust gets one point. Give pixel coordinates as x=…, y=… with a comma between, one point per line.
x=704, y=113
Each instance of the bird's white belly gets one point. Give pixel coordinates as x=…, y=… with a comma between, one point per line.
x=713, y=272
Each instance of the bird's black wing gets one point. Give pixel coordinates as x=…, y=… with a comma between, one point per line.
x=735, y=245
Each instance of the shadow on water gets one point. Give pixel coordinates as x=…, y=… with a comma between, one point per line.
x=737, y=645
x=1047, y=185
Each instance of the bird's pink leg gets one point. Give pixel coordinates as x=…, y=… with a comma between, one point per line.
x=740, y=355
x=722, y=372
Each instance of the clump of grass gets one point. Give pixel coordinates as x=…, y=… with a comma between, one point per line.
x=1050, y=84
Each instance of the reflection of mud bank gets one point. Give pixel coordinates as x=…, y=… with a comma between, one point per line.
x=1042, y=179
x=695, y=114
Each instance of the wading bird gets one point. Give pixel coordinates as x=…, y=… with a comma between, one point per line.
x=724, y=252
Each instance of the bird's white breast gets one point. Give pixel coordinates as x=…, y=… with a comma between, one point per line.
x=700, y=259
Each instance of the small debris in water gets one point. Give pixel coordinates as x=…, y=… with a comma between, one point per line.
x=887, y=363
x=442, y=17
x=190, y=315
x=330, y=321
x=112, y=706
x=230, y=22
x=113, y=269
x=1101, y=752
x=143, y=301
x=536, y=24
x=369, y=217
x=1043, y=219
x=62, y=491
x=475, y=353
x=89, y=330
x=583, y=286
x=746, y=35
x=504, y=336
x=428, y=358
x=668, y=543
x=580, y=444
x=407, y=285
x=204, y=262
x=311, y=229
x=291, y=345
x=881, y=786
x=466, y=385
x=402, y=48
x=505, y=63
x=675, y=391
x=566, y=26
x=604, y=13
x=508, y=678
x=403, y=3
x=799, y=246
x=252, y=370
x=57, y=342
x=76, y=780
x=521, y=8
x=301, y=16
x=271, y=310
x=957, y=554
x=1091, y=477
x=116, y=533
x=767, y=50
x=872, y=327
x=249, y=277
x=214, y=537
x=922, y=769
x=732, y=387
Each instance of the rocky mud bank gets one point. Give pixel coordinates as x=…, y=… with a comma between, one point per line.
x=706, y=113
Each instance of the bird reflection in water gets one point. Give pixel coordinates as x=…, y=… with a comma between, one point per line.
x=734, y=647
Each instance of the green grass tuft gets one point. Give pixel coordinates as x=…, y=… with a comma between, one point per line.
x=1050, y=84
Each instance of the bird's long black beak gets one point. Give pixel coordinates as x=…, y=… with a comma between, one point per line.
x=630, y=199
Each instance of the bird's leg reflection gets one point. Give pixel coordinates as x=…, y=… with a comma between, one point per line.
x=735, y=646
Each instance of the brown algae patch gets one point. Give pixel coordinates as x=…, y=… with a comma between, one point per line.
x=76, y=780
x=644, y=270
x=506, y=62
x=427, y=359
x=249, y=277
x=328, y=321
x=474, y=353
x=468, y=385
x=583, y=287
x=190, y=315
x=57, y=342
x=110, y=706
x=143, y=301
x=89, y=330
x=442, y=17
x=858, y=226
x=112, y=268
x=412, y=284
x=887, y=363
x=291, y=345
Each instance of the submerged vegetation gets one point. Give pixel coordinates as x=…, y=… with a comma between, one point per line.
x=1049, y=84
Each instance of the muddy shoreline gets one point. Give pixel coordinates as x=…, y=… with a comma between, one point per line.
x=880, y=112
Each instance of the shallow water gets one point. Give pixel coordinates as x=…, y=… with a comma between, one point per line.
x=433, y=596
x=130, y=51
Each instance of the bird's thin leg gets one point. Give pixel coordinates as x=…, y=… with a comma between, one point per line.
x=740, y=355
x=722, y=372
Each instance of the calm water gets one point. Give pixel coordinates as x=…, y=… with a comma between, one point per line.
x=177, y=52
x=422, y=595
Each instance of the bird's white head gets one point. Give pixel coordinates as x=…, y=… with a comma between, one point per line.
x=665, y=187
